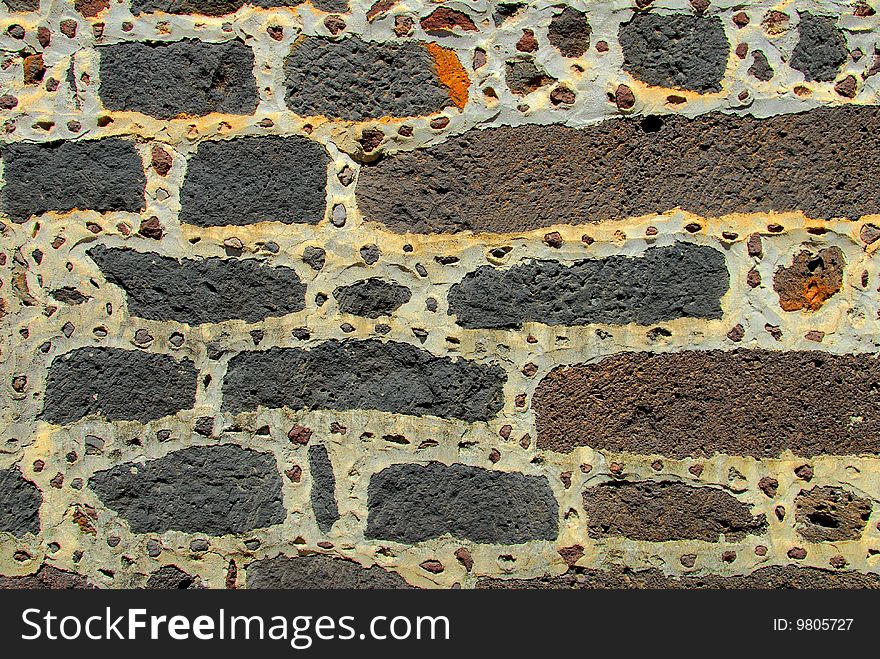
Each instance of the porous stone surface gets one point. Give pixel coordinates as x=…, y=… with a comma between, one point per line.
x=356, y=80
x=200, y=291
x=810, y=280
x=117, y=385
x=682, y=280
x=500, y=254
x=666, y=510
x=710, y=165
x=45, y=578
x=319, y=572
x=101, y=175
x=828, y=514
x=249, y=180
x=821, y=49
x=680, y=404
x=371, y=298
x=412, y=503
x=569, y=32
x=771, y=577
x=166, y=79
x=171, y=577
x=223, y=7
x=19, y=503
x=675, y=50
x=347, y=375
x=203, y=489
x=323, y=492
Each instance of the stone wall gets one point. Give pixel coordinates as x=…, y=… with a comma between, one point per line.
x=457, y=294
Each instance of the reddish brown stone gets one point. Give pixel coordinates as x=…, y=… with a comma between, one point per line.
x=527, y=43
x=464, y=557
x=443, y=20
x=334, y=24
x=797, y=553
x=810, y=280
x=68, y=28
x=380, y=8
x=775, y=22
x=91, y=8
x=624, y=97
x=34, y=69
x=403, y=25
x=46, y=577
x=767, y=578
x=681, y=404
x=825, y=514
x=848, y=87
x=432, y=565
x=740, y=19
x=768, y=486
x=571, y=555
x=161, y=160
x=299, y=435
x=151, y=228
x=657, y=511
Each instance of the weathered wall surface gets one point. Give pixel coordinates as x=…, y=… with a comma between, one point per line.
x=416, y=294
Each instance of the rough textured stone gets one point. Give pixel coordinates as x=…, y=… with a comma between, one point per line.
x=319, y=572
x=772, y=577
x=100, y=175
x=371, y=298
x=165, y=79
x=199, y=291
x=22, y=5
x=346, y=375
x=223, y=7
x=45, y=578
x=523, y=76
x=760, y=67
x=323, y=492
x=171, y=577
x=19, y=503
x=741, y=402
x=117, y=385
x=675, y=50
x=411, y=503
x=711, y=165
x=666, y=510
x=355, y=80
x=810, y=280
x=821, y=49
x=203, y=489
x=569, y=32
x=682, y=280
x=255, y=179
x=826, y=514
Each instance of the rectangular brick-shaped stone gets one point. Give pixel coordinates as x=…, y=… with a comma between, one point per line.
x=698, y=403
x=771, y=577
x=411, y=503
x=680, y=281
x=202, y=489
x=518, y=178
x=356, y=80
x=657, y=511
x=370, y=374
x=223, y=7
x=19, y=503
x=319, y=572
x=197, y=291
x=165, y=79
x=255, y=179
x=117, y=385
x=98, y=175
